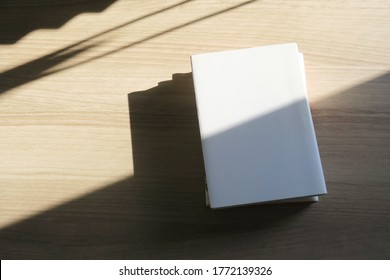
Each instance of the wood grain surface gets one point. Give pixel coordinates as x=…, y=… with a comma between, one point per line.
x=100, y=155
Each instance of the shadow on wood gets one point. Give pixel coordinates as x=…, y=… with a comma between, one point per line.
x=160, y=212
x=20, y=17
x=43, y=66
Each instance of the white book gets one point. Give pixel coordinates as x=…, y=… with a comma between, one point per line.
x=256, y=128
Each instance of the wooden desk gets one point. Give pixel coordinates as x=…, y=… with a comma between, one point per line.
x=99, y=141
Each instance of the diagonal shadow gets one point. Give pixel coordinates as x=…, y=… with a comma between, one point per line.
x=20, y=17
x=160, y=213
x=40, y=67
x=163, y=203
x=157, y=35
x=37, y=68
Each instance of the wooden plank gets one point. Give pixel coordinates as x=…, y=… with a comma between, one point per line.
x=99, y=140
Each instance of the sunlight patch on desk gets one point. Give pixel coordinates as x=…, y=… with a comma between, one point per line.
x=338, y=83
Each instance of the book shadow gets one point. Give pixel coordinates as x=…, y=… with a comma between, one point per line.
x=160, y=211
